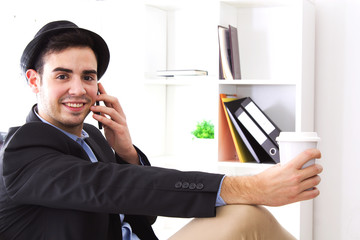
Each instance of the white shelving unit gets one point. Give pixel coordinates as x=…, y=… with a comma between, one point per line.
x=276, y=44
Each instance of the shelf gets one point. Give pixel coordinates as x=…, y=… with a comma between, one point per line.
x=230, y=168
x=188, y=80
x=179, y=4
x=256, y=82
x=169, y=5
x=212, y=80
x=241, y=169
x=261, y=3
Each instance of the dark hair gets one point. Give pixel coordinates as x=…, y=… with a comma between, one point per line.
x=62, y=41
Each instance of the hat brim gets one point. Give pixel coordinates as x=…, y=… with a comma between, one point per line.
x=34, y=48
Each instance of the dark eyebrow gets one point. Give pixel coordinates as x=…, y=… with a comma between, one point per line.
x=90, y=72
x=60, y=69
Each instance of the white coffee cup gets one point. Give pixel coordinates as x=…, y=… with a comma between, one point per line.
x=293, y=143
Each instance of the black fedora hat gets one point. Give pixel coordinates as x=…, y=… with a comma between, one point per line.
x=34, y=48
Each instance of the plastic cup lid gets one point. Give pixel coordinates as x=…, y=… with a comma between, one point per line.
x=298, y=137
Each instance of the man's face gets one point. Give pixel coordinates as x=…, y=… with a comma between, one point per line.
x=68, y=87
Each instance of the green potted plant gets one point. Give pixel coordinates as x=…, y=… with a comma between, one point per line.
x=203, y=144
x=204, y=130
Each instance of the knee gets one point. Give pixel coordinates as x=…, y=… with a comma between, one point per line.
x=247, y=216
x=252, y=222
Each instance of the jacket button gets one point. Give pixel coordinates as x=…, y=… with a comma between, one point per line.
x=199, y=186
x=178, y=185
x=185, y=185
x=192, y=186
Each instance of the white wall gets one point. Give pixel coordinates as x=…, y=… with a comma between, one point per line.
x=337, y=209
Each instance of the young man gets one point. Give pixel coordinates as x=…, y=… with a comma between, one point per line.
x=61, y=179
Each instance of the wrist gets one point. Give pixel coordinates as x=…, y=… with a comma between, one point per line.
x=239, y=190
x=130, y=155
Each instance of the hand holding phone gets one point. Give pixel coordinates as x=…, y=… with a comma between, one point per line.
x=116, y=130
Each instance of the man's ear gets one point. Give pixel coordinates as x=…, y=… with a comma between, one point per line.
x=33, y=79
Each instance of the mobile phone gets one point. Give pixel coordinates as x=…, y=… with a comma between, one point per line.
x=97, y=103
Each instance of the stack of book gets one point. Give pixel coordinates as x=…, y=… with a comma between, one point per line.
x=229, y=59
x=252, y=132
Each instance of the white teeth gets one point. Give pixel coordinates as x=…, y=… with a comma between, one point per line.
x=74, y=105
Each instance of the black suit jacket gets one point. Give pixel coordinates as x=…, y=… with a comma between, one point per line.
x=49, y=188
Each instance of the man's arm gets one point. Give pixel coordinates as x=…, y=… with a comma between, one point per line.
x=276, y=186
x=40, y=157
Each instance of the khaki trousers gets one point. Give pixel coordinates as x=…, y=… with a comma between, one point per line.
x=235, y=222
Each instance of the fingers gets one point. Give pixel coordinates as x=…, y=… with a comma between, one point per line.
x=299, y=161
x=107, y=112
x=311, y=171
x=308, y=177
x=111, y=115
x=309, y=183
x=109, y=101
x=308, y=194
x=101, y=88
x=107, y=122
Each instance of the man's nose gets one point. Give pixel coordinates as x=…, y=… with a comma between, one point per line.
x=77, y=87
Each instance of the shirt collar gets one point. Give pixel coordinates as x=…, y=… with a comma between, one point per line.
x=84, y=134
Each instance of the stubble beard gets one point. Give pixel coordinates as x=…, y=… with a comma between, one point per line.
x=56, y=116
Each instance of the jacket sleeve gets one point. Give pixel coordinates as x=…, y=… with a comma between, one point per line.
x=42, y=166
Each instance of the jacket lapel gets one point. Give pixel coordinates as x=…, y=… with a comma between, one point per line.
x=99, y=153
x=96, y=149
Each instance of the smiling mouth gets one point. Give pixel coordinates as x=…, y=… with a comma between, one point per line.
x=75, y=105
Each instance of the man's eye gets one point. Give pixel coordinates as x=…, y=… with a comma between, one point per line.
x=62, y=76
x=88, y=78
